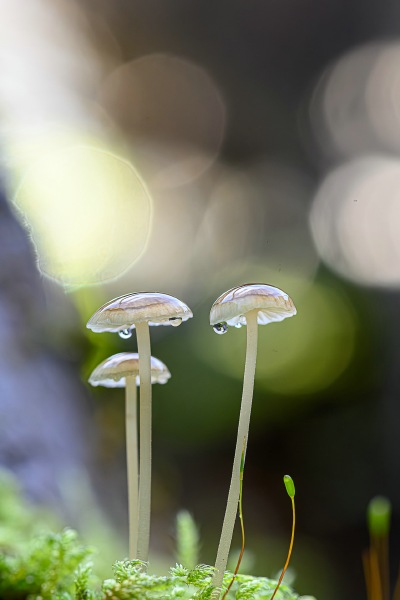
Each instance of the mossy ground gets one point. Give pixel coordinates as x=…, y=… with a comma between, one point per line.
x=58, y=566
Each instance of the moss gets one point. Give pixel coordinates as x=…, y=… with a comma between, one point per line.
x=57, y=566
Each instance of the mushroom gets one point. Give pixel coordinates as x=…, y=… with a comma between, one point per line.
x=122, y=370
x=249, y=304
x=139, y=310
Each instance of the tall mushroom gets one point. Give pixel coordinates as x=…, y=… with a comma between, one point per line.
x=122, y=370
x=139, y=310
x=250, y=305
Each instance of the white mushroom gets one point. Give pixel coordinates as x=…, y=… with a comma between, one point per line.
x=122, y=370
x=138, y=311
x=250, y=305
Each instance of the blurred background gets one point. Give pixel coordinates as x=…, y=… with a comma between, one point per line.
x=188, y=147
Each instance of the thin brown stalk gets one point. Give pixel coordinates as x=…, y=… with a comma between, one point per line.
x=376, y=583
x=290, y=549
x=382, y=551
x=367, y=573
x=396, y=593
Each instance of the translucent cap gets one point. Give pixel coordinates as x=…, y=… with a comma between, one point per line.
x=231, y=308
x=124, y=312
x=113, y=371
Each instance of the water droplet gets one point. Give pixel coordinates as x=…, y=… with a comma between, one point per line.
x=125, y=334
x=220, y=328
x=175, y=321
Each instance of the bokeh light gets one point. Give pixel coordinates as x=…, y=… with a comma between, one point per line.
x=355, y=220
x=49, y=68
x=214, y=230
x=173, y=112
x=168, y=262
x=280, y=196
x=355, y=105
x=88, y=211
x=257, y=211
x=300, y=355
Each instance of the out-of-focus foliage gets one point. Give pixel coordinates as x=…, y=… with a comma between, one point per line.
x=44, y=568
x=19, y=520
x=187, y=540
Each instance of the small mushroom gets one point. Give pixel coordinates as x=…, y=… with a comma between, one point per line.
x=122, y=370
x=138, y=311
x=249, y=304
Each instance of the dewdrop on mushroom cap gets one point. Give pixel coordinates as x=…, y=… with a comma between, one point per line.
x=231, y=307
x=113, y=371
x=121, y=314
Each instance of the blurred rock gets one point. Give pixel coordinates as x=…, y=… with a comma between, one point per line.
x=43, y=405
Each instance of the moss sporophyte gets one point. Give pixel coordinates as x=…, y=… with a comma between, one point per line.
x=376, y=557
x=250, y=305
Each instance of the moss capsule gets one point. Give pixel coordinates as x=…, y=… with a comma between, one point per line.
x=289, y=485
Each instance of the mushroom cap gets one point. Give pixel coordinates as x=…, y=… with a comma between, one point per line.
x=112, y=372
x=232, y=306
x=125, y=311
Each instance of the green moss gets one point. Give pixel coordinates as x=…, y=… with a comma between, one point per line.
x=46, y=568
x=57, y=566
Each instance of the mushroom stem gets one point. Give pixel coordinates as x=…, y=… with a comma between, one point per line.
x=143, y=341
x=243, y=432
x=132, y=462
